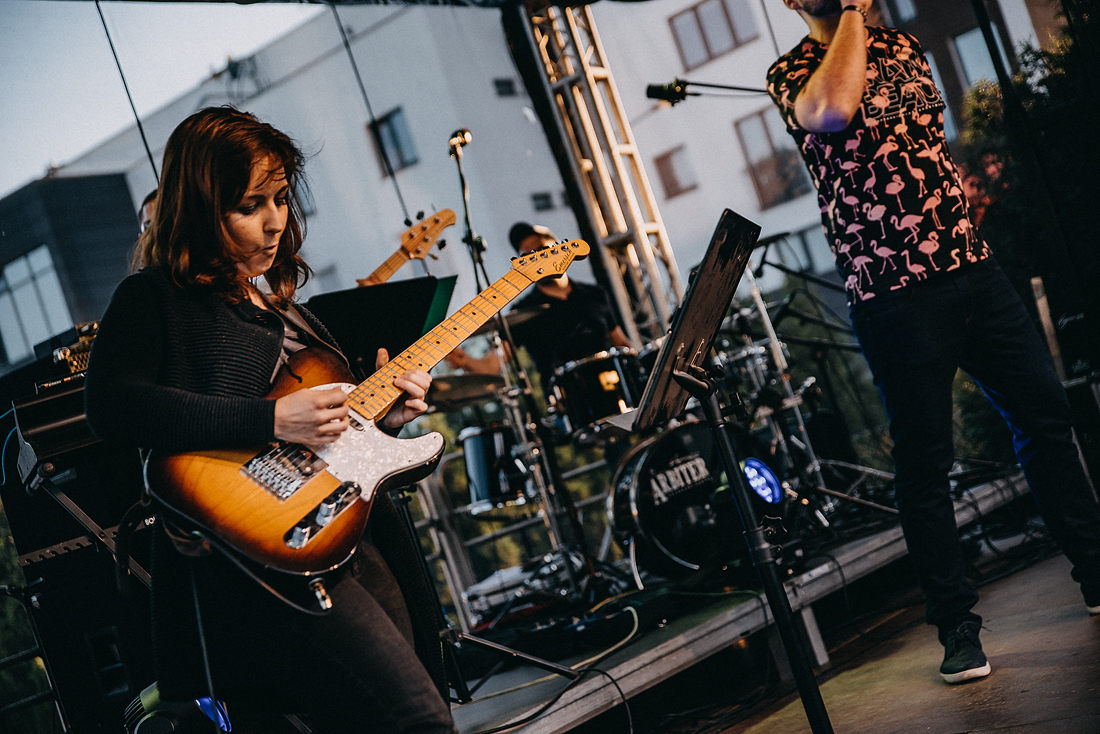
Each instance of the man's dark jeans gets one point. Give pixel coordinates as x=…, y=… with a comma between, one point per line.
x=914, y=340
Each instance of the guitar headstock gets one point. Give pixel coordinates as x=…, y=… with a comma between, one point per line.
x=552, y=261
x=418, y=239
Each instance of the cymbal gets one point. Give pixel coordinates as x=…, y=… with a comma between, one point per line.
x=513, y=318
x=451, y=392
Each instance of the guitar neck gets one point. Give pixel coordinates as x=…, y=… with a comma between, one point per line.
x=387, y=269
x=377, y=394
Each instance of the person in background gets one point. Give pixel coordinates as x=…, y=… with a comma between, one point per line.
x=146, y=210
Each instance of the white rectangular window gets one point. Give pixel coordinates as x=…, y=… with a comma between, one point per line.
x=975, y=61
x=777, y=170
x=675, y=171
x=391, y=135
x=712, y=28
x=32, y=305
x=904, y=11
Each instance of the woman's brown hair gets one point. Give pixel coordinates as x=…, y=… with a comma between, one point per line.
x=207, y=167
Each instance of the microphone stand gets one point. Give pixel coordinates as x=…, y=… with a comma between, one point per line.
x=530, y=435
x=475, y=244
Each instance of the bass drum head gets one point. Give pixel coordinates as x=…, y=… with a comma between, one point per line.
x=671, y=501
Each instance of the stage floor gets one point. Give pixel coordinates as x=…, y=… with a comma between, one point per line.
x=1036, y=620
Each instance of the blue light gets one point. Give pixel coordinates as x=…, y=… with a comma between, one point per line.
x=215, y=711
x=763, y=481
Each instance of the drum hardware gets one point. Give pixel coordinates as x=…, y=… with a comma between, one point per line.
x=762, y=369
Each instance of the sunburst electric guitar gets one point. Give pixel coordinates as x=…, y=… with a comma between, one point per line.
x=302, y=510
x=416, y=241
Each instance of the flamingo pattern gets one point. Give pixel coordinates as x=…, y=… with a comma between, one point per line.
x=891, y=166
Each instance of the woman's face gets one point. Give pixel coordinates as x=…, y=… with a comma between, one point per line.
x=256, y=224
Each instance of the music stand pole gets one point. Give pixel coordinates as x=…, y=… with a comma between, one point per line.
x=763, y=553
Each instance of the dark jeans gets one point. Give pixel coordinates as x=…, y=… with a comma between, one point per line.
x=914, y=340
x=352, y=670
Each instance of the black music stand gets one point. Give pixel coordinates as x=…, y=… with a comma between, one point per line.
x=679, y=374
x=390, y=315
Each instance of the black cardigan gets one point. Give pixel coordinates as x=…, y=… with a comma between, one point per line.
x=182, y=370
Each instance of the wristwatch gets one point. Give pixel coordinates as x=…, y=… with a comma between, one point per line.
x=856, y=8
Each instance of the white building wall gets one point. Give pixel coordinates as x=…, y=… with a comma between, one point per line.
x=438, y=65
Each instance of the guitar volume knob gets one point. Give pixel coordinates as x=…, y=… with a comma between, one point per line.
x=325, y=512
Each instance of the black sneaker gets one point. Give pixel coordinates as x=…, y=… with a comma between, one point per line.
x=1092, y=598
x=963, y=658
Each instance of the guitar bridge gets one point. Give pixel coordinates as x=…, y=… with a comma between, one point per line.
x=284, y=468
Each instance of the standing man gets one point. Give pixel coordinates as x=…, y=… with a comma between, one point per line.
x=926, y=299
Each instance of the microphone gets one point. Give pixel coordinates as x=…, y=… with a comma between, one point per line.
x=671, y=93
x=460, y=137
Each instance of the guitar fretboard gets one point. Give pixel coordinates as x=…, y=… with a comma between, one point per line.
x=377, y=394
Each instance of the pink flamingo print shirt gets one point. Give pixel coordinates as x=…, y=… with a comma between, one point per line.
x=891, y=200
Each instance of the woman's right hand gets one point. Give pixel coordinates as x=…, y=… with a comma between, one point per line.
x=312, y=417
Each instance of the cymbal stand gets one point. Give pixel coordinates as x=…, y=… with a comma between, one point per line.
x=791, y=400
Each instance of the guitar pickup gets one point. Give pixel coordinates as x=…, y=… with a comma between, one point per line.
x=284, y=468
x=320, y=516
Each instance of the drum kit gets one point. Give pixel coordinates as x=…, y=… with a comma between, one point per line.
x=669, y=504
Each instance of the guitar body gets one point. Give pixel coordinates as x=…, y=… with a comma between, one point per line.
x=284, y=505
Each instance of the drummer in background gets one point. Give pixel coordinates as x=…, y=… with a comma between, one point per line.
x=577, y=322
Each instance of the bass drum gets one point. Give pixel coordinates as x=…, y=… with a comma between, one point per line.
x=672, y=509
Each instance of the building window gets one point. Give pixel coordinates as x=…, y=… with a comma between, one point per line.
x=776, y=167
x=391, y=135
x=32, y=305
x=675, y=171
x=505, y=87
x=949, y=130
x=904, y=11
x=542, y=201
x=712, y=28
x=975, y=63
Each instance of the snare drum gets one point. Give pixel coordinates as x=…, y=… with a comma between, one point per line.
x=493, y=475
x=589, y=390
x=669, y=500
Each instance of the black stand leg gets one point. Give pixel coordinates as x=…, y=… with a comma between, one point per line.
x=450, y=637
x=762, y=552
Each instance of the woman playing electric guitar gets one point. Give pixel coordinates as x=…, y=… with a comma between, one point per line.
x=184, y=361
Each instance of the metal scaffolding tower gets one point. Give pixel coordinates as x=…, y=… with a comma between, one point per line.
x=596, y=149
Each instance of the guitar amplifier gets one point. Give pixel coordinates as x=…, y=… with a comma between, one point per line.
x=52, y=426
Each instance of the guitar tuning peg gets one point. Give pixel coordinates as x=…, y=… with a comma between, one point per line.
x=408, y=222
x=419, y=215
